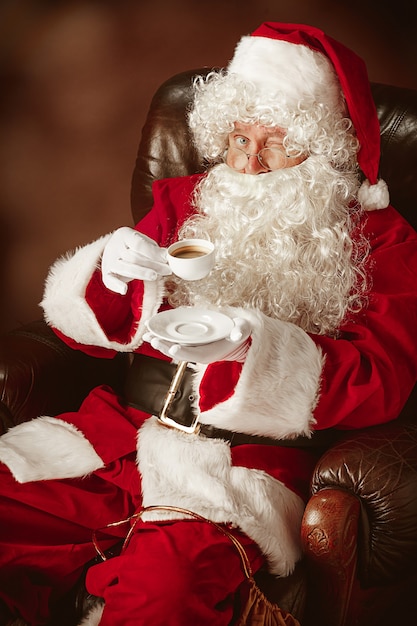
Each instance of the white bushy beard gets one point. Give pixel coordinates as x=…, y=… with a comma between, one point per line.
x=283, y=244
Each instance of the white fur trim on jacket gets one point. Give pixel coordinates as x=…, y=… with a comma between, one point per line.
x=279, y=384
x=66, y=308
x=196, y=473
x=47, y=448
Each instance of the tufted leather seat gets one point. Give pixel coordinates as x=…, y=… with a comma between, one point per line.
x=360, y=525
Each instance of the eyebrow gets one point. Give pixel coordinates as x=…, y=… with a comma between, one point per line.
x=271, y=132
x=276, y=132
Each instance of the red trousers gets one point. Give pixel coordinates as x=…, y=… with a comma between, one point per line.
x=183, y=572
x=172, y=574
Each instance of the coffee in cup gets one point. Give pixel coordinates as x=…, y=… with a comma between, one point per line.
x=191, y=259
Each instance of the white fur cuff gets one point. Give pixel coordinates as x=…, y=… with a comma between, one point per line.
x=47, y=448
x=66, y=307
x=279, y=384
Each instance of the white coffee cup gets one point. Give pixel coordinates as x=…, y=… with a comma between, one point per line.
x=191, y=259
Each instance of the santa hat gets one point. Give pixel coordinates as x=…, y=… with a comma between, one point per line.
x=306, y=65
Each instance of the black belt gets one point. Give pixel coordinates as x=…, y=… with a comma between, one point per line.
x=164, y=389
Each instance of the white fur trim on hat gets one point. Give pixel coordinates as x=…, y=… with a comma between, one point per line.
x=292, y=72
x=373, y=197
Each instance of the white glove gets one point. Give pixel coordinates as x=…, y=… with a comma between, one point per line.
x=233, y=348
x=130, y=255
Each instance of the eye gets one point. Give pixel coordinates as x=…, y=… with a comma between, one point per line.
x=241, y=141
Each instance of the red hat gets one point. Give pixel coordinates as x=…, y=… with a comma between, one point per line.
x=305, y=63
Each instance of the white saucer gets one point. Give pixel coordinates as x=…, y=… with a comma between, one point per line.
x=190, y=325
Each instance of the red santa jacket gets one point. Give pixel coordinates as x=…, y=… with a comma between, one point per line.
x=291, y=383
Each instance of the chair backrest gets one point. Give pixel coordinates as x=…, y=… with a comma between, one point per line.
x=166, y=148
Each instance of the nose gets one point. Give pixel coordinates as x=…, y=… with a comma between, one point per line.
x=254, y=166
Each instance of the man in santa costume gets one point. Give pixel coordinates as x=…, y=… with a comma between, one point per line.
x=317, y=273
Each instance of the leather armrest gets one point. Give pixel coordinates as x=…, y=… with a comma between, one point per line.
x=329, y=534
x=377, y=467
x=40, y=375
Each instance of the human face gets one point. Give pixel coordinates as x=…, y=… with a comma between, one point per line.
x=247, y=140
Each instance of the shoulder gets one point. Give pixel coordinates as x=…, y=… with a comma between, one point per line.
x=172, y=204
x=387, y=228
x=393, y=253
x=178, y=187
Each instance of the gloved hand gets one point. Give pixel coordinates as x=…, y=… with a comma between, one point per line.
x=130, y=255
x=233, y=348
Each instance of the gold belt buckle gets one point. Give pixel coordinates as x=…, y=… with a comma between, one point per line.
x=173, y=388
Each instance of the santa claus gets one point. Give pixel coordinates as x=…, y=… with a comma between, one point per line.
x=319, y=289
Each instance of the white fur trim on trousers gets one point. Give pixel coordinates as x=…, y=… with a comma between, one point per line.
x=196, y=473
x=47, y=448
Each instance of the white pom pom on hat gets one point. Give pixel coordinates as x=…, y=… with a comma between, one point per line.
x=283, y=58
x=374, y=196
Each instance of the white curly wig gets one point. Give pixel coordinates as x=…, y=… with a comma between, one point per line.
x=298, y=91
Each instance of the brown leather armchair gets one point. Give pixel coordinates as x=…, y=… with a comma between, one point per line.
x=360, y=525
